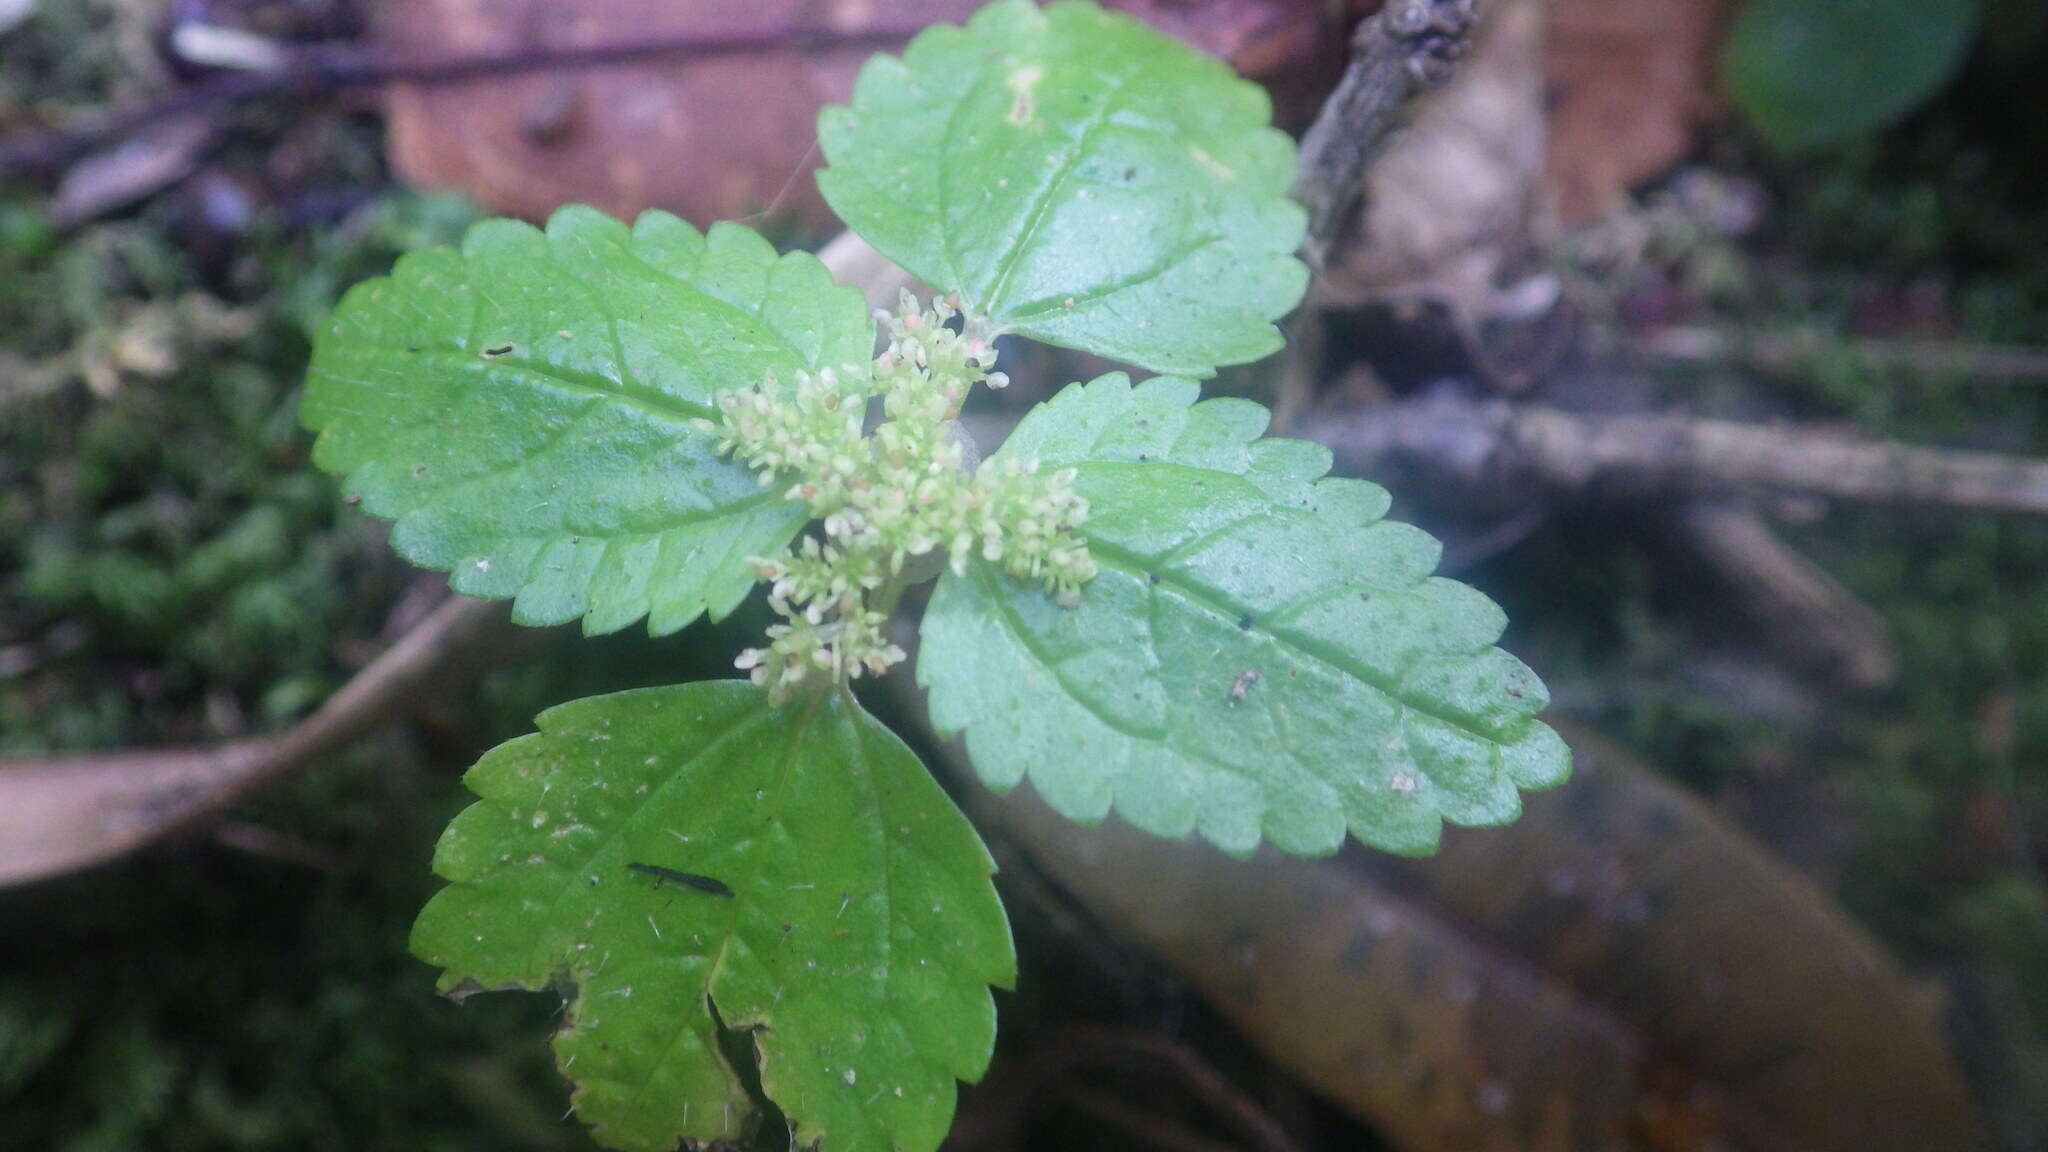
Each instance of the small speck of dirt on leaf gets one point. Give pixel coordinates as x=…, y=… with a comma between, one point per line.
x=1242, y=686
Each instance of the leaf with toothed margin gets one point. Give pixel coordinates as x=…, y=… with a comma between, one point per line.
x=522, y=408
x=853, y=942
x=1262, y=655
x=1079, y=178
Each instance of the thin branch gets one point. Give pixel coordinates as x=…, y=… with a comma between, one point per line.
x=1201, y=1079
x=318, y=70
x=1408, y=46
x=70, y=812
x=1804, y=617
x=1148, y=1129
x=1505, y=447
x=1796, y=350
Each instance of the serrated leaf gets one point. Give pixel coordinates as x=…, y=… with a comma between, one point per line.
x=1261, y=656
x=855, y=949
x=1079, y=178
x=522, y=409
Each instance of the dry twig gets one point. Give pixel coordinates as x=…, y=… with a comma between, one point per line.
x=1067, y=1069
x=1201, y=1079
x=1407, y=46
x=314, y=71
x=1532, y=450
x=1799, y=350
x=67, y=813
x=1803, y=616
x=1147, y=1128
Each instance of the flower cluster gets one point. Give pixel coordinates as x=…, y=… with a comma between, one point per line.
x=909, y=490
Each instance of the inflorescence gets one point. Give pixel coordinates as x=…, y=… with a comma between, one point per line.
x=889, y=498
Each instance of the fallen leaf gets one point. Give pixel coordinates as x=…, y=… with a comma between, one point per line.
x=725, y=137
x=1629, y=81
x=1620, y=969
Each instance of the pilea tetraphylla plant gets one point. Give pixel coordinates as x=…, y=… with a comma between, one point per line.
x=755, y=897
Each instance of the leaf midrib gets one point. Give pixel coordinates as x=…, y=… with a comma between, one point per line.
x=1161, y=736
x=660, y=404
x=1334, y=660
x=1006, y=265
x=716, y=960
x=1306, y=644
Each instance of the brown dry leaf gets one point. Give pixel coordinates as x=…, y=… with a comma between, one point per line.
x=1618, y=970
x=716, y=138
x=1629, y=81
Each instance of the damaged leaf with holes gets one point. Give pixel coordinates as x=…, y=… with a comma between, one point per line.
x=852, y=949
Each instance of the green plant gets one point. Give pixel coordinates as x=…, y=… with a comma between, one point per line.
x=1811, y=74
x=1141, y=604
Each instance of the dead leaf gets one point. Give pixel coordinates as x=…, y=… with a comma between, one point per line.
x=1620, y=969
x=730, y=137
x=1629, y=81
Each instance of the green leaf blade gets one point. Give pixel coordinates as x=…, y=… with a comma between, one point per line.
x=1078, y=178
x=1262, y=657
x=856, y=949
x=522, y=408
x=1809, y=75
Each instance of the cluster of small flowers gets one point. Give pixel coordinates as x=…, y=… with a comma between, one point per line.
x=905, y=492
x=821, y=590
x=1027, y=523
x=815, y=433
x=941, y=364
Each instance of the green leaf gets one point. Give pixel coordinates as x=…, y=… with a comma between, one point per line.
x=1079, y=178
x=854, y=951
x=1810, y=73
x=522, y=409
x=1262, y=655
